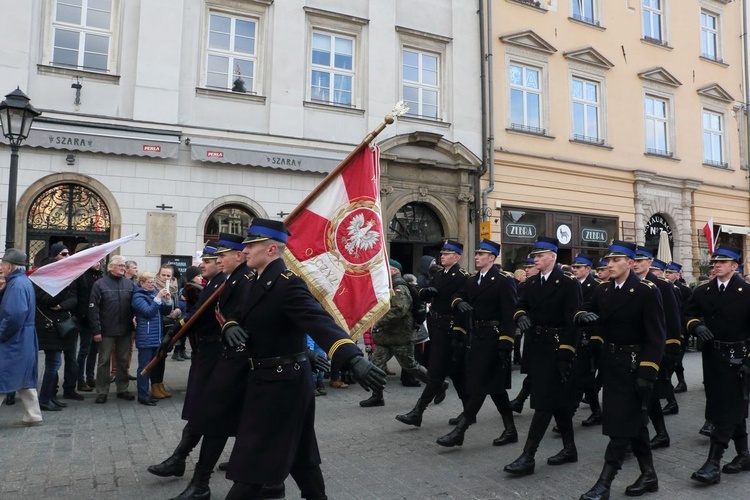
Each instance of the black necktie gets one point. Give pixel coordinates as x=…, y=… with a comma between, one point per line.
x=544, y=281
x=722, y=287
x=479, y=281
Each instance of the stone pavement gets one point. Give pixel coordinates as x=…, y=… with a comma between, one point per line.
x=90, y=451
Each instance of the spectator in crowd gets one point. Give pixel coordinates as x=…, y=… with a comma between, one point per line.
x=111, y=322
x=131, y=271
x=165, y=279
x=49, y=311
x=18, y=342
x=423, y=270
x=87, y=349
x=189, y=295
x=148, y=305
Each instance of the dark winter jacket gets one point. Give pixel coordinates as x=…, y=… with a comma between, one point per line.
x=110, y=311
x=64, y=304
x=148, y=312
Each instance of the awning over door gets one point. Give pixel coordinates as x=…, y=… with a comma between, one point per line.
x=266, y=156
x=96, y=139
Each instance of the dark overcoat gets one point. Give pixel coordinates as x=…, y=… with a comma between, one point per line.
x=727, y=315
x=18, y=343
x=671, y=301
x=584, y=367
x=631, y=316
x=277, y=429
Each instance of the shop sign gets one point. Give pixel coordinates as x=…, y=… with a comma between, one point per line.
x=594, y=235
x=656, y=224
x=564, y=234
x=520, y=231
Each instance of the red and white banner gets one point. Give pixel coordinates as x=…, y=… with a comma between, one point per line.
x=337, y=246
x=708, y=230
x=54, y=277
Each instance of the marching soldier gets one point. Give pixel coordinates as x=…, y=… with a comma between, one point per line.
x=585, y=362
x=276, y=434
x=601, y=270
x=486, y=305
x=673, y=273
x=631, y=320
x=446, y=347
x=517, y=404
x=206, y=342
x=719, y=315
x=545, y=315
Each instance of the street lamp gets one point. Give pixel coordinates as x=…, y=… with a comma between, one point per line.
x=16, y=116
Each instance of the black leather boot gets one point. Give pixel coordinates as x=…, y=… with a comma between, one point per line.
x=414, y=417
x=594, y=419
x=198, y=488
x=524, y=465
x=707, y=429
x=600, y=490
x=671, y=408
x=517, y=404
x=568, y=454
x=647, y=482
x=454, y=420
x=710, y=472
x=375, y=400
x=741, y=462
x=456, y=436
x=681, y=385
x=440, y=396
x=509, y=435
x=173, y=466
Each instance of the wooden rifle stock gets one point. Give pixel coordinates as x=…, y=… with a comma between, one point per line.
x=201, y=310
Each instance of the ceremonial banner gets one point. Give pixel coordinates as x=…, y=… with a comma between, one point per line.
x=54, y=277
x=337, y=244
x=708, y=231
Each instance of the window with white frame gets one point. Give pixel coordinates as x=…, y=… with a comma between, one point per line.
x=525, y=98
x=710, y=35
x=653, y=20
x=586, y=100
x=82, y=34
x=421, y=83
x=231, y=53
x=713, y=138
x=657, y=118
x=585, y=11
x=332, y=69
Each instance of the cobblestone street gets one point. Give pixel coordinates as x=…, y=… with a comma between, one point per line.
x=102, y=451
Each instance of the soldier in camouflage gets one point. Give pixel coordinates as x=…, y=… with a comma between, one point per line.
x=393, y=335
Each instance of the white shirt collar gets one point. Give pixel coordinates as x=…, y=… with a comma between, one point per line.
x=546, y=276
x=725, y=283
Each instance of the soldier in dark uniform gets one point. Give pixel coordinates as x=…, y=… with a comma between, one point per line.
x=486, y=304
x=446, y=346
x=631, y=316
x=216, y=412
x=718, y=315
x=585, y=365
x=276, y=435
x=644, y=262
x=517, y=403
x=206, y=341
x=673, y=273
x=545, y=315
x=601, y=270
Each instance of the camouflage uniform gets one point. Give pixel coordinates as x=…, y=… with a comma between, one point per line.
x=393, y=335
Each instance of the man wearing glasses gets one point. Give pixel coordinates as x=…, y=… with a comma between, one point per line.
x=111, y=322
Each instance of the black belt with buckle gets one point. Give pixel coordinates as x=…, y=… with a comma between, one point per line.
x=730, y=345
x=442, y=317
x=486, y=323
x=277, y=362
x=545, y=329
x=614, y=348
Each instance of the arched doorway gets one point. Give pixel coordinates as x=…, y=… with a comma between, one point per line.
x=233, y=219
x=70, y=213
x=414, y=231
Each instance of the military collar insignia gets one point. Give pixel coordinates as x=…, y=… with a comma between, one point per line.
x=269, y=283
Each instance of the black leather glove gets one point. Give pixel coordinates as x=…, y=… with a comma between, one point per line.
x=504, y=356
x=524, y=323
x=428, y=292
x=234, y=336
x=563, y=368
x=369, y=376
x=644, y=386
x=587, y=318
x=464, y=307
x=702, y=333
x=318, y=363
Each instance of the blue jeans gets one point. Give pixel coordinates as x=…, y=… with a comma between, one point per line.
x=86, y=370
x=145, y=355
x=52, y=361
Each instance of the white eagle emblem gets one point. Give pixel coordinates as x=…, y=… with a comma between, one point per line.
x=360, y=235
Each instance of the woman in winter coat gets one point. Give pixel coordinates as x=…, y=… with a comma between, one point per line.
x=148, y=306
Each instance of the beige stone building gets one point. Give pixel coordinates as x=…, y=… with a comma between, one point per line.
x=617, y=119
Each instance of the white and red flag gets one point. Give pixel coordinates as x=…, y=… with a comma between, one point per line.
x=337, y=244
x=708, y=231
x=54, y=277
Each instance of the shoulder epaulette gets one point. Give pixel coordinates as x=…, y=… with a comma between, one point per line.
x=506, y=274
x=648, y=283
x=602, y=282
x=598, y=281
x=664, y=279
x=701, y=285
x=463, y=271
x=288, y=273
x=570, y=276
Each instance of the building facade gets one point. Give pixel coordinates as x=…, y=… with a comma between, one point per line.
x=181, y=119
x=618, y=120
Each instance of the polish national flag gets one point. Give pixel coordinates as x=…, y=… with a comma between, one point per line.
x=708, y=230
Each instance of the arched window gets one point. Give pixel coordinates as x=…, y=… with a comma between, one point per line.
x=233, y=219
x=415, y=222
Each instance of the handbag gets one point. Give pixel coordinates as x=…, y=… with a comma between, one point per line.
x=63, y=327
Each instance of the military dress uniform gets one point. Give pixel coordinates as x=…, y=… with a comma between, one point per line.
x=631, y=322
x=550, y=345
x=684, y=292
x=490, y=333
x=446, y=346
x=726, y=315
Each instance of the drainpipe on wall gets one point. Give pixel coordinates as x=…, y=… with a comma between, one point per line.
x=488, y=120
x=483, y=82
x=747, y=90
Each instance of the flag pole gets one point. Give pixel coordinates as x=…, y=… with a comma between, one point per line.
x=389, y=118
